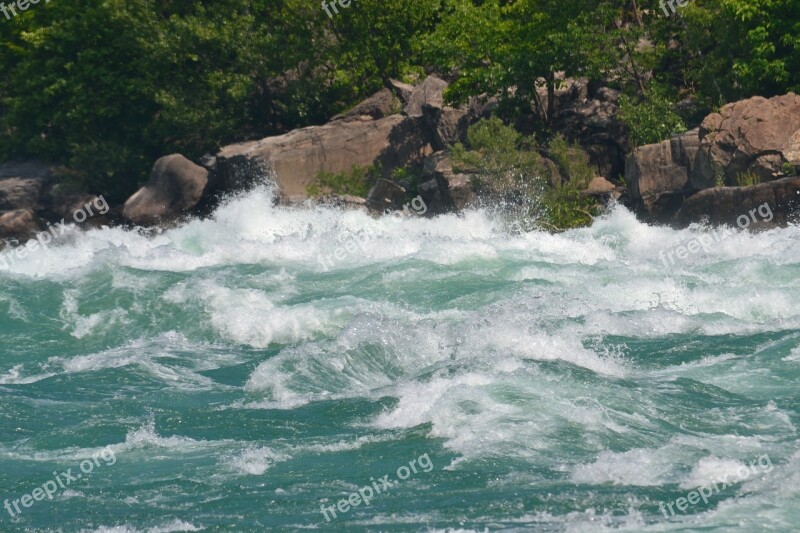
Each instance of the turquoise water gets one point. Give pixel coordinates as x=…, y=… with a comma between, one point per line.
x=224, y=378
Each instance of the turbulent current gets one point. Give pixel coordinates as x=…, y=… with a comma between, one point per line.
x=291, y=369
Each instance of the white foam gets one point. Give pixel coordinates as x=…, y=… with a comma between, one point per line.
x=147, y=437
x=250, y=316
x=710, y=470
x=173, y=526
x=85, y=325
x=15, y=377
x=641, y=467
x=256, y=460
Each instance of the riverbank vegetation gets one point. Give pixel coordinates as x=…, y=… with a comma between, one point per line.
x=108, y=86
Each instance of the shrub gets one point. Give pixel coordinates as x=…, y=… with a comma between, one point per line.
x=746, y=179
x=564, y=203
x=571, y=161
x=651, y=119
x=357, y=182
x=507, y=167
x=719, y=176
x=501, y=160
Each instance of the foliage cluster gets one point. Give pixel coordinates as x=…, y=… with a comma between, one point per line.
x=651, y=118
x=565, y=204
x=508, y=167
x=357, y=182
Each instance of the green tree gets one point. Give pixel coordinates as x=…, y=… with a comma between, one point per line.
x=512, y=49
x=732, y=49
x=376, y=40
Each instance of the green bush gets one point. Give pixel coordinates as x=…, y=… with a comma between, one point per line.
x=746, y=179
x=502, y=162
x=357, y=182
x=564, y=203
x=651, y=119
x=571, y=160
x=508, y=169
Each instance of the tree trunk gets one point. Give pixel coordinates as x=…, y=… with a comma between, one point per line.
x=637, y=14
x=551, y=98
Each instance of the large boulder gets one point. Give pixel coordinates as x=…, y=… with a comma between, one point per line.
x=659, y=175
x=402, y=90
x=600, y=186
x=447, y=125
x=22, y=183
x=63, y=201
x=294, y=159
x=755, y=136
x=766, y=205
x=19, y=225
x=429, y=92
x=176, y=186
x=442, y=189
x=385, y=195
x=364, y=136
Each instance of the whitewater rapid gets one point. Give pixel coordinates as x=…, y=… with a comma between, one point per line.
x=579, y=364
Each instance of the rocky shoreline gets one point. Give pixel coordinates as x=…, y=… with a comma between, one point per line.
x=744, y=156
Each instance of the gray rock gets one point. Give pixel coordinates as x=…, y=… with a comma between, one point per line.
x=448, y=125
x=62, y=201
x=294, y=159
x=569, y=92
x=385, y=195
x=429, y=92
x=594, y=124
x=599, y=186
x=444, y=190
x=756, y=135
x=725, y=205
x=176, y=186
x=379, y=105
x=673, y=168
x=26, y=169
x=20, y=225
x=22, y=183
x=402, y=90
